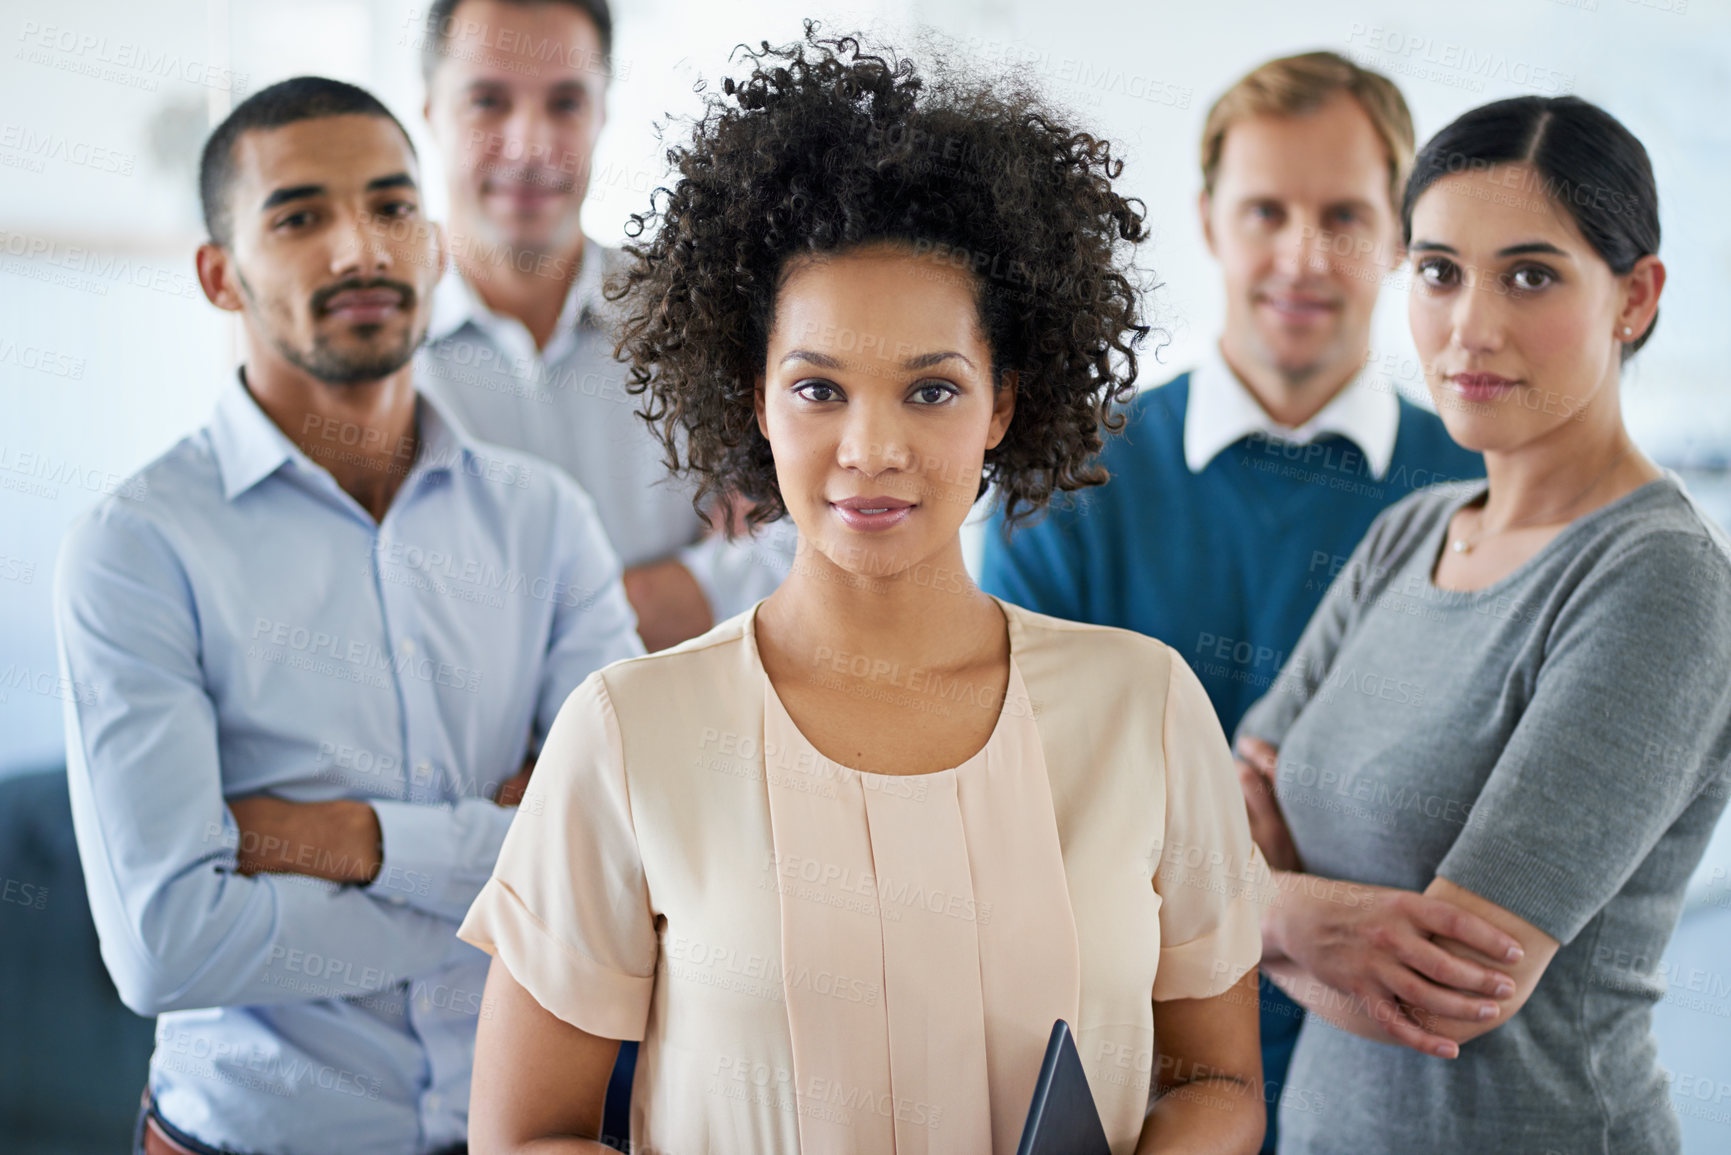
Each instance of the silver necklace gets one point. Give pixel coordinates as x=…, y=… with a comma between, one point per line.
x=1465, y=545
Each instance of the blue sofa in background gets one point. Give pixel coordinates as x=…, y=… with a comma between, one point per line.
x=73, y=1059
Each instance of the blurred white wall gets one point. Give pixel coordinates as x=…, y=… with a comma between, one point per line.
x=108, y=352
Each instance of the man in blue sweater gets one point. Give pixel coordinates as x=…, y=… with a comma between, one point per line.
x=1239, y=488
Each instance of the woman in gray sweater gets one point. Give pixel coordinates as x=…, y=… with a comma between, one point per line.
x=1497, y=753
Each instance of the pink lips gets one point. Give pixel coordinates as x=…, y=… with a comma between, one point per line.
x=529, y=191
x=1480, y=386
x=872, y=513
x=526, y=196
x=1298, y=308
x=365, y=305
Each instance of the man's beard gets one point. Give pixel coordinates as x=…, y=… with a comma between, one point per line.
x=334, y=367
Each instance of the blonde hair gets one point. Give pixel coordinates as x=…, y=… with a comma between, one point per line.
x=1296, y=85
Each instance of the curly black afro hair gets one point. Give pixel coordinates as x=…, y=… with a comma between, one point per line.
x=826, y=147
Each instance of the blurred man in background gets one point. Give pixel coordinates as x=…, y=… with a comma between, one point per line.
x=519, y=347
x=1238, y=489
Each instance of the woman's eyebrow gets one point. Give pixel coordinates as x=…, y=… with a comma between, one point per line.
x=1522, y=249
x=920, y=361
x=821, y=360
x=1532, y=247
x=927, y=360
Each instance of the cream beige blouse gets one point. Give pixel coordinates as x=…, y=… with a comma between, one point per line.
x=822, y=960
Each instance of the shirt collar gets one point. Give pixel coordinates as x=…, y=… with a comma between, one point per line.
x=1221, y=410
x=249, y=447
x=443, y=444
x=456, y=303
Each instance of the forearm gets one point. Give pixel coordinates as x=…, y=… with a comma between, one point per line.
x=337, y=841
x=1284, y=922
x=1271, y=953
x=181, y=927
x=434, y=858
x=1207, y=1074
x=670, y=604
x=1348, y=1012
x=1299, y=900
x=1213, y=1114
x=560, y=1145
x=214, y=938
x=1534, y=950
x=1288, y=889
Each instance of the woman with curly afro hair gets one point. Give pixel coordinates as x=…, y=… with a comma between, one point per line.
x=841, y=863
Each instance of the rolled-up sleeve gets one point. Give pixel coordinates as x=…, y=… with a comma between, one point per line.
x=179, y=926
x=437, y=858
x=567, y=910
x=1211, y=878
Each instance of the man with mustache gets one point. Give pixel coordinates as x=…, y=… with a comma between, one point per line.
x=1238, y=489
x=326, y=640
x=519, y=349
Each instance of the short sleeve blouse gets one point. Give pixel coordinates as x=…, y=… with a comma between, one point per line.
x=822, y=960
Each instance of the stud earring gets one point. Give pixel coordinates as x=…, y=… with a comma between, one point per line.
x=1628, y=332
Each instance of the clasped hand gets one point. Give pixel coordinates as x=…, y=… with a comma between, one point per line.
x=1397, y=954
x=1392, y=951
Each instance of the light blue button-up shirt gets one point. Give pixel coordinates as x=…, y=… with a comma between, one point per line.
x=243, y=626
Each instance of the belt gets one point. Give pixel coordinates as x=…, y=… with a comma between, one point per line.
x=157, y=1136
x=160, y=1142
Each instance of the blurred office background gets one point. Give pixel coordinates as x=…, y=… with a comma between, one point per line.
x=109, y=353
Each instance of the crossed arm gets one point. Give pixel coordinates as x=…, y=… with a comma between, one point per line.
x=1429, y=971
x=338, y=841
x=186, y=913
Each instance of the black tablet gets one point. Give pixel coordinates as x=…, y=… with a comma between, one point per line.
x=1062, y=1119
